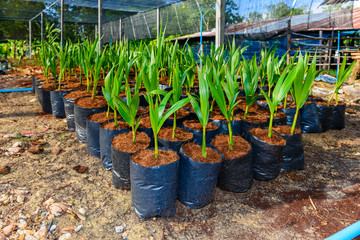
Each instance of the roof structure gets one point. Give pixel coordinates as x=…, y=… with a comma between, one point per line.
x=348, y=19
x=77, y=11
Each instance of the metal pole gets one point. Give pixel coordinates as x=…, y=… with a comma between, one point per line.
x=30, y=53
x=177, y=17
x=201, y=30
x=120, y=29
x=133, y=28
x=338, y=56
x=100, y=24
x=42, y=27
x=157, y=24
x=288, y=44
x=220, y=23
x=322, y=56
x=61, y=23
x=96, y=31
x=112, y=34
x=147, y=26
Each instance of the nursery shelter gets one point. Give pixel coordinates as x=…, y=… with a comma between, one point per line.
x=289, y=24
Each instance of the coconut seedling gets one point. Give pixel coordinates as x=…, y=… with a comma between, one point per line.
x=96, y=69
x=112, y=89
x=80, y=61
x=129, y=109
x=45, y=60
x=72, y=59
x=266, y=56
x=179, y=77
x=63, y=61
x=228, y=103
x=89, y=52
x=156, y=112
x=151, y=72
x=281, y=89
x=343, y=74
x=53, y=50
x=202, y=110
x=235, y=58
x=189, y=62
x=249, y=79
x=302, y=83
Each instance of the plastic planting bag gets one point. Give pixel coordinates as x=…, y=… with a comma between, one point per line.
x=309, y=119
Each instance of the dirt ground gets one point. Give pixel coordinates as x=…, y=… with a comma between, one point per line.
x=310, y=204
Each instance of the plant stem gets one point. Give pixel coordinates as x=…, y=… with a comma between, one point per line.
x=285, y=101
x=204, y=142
x=108, y=111
x=336, y=97
x=270, y=124
x=294, y=122
x=134, y=133
x=331, y=97
x=115, y=118
x=231, y=141
x=212, y=105
x=246, y=111
x=156, y=145
x=174, y=126
x=88, y=83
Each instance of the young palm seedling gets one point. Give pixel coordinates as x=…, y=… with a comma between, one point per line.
x=231, y=88
x=112, y=90
x=156, y=111
x=53, y=50
x=281, y=89
x=202, y=111
x=64, y=61
x=179, y=77
x=99, y=60
x=302, y=85
x=89, y=52
x=343, y=74
x=249, y=78
x=129, y=109
x=45, y=60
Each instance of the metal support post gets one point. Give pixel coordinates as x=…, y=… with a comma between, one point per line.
x=30, y=53
x=100, y=33
x=120, y=29
x=61, y=23
x=42, y=27
x=157, y=24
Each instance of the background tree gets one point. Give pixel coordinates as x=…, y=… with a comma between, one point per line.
x=232, y=13
x=254, y=16
x=283, y=10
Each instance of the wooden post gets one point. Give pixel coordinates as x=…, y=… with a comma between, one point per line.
x=330, y=48
x=220, y=23
x=323, y=55
x=288, y=42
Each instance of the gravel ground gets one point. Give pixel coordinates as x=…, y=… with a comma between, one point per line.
x=309, y=204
